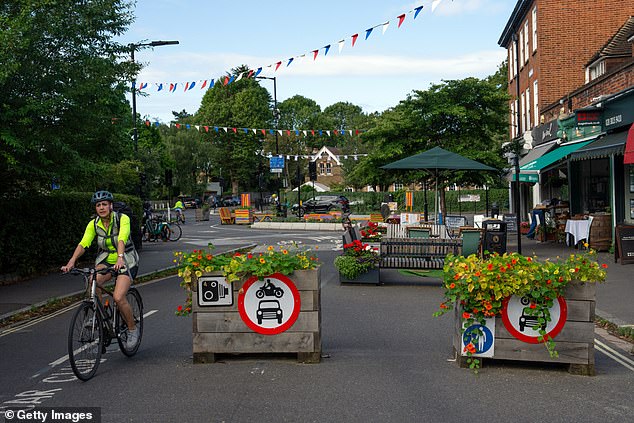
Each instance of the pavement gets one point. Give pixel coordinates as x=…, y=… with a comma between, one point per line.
x=614, y=297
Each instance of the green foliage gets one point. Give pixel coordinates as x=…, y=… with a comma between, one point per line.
x=357, y=258
x=63, y=112
x=42, y=231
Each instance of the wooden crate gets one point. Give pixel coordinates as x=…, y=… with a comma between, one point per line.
x=221, y=330
x=575, y=343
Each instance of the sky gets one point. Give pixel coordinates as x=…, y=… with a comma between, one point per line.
x=455, y=41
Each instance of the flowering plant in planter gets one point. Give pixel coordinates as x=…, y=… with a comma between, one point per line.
x=284, y=260
x=479, y=286
x=357, y=258
x=195, y=264
x=371, y=232
x=238, y=265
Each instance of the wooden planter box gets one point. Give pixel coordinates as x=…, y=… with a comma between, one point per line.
x=575, y=342
x=221, y=330
x=371, y=277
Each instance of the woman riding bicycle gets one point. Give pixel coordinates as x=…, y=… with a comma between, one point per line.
x=179, y=208
x=116, y=250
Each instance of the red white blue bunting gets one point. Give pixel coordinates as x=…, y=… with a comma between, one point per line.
x=204, y=84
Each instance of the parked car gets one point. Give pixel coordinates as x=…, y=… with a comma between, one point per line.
x=190, y=202
x=231, y=201
x=322, y=204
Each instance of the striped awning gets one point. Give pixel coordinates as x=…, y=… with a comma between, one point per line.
x=609, y=145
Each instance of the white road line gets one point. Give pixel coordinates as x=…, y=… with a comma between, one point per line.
x=615, y=355
x=38, y=320
x=65, y=357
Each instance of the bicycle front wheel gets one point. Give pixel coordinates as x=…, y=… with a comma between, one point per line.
x=85, y=340
x=175, y=232
x=136, y=304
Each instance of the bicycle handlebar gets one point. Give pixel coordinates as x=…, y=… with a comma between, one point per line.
x=86, y=271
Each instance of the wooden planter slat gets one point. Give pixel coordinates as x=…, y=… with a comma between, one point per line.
x=220, y=330
x=307, y=321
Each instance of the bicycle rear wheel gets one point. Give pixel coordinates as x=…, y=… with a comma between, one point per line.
x=136, y=304
x=85, y=340
x=175, y=232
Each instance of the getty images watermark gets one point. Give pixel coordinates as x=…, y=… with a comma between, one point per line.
x=53, y=415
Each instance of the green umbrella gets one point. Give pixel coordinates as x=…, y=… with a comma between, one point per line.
x=434, y=160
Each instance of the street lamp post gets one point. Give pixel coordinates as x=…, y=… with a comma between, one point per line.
x=133, y=47
x=276, y=119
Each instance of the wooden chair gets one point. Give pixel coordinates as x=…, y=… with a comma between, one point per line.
x=225, y=216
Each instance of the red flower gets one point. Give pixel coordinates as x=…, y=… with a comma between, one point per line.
x=490, y=266
x=250, y=255
x=514, y=261
x=502, y=269
x=466, y=315
x=443, y=305
x=453, y=285
x=532, y=305
x=548, y=282
x=478, y=273
x=605, y=266
x=456, y=276
x=180, y=308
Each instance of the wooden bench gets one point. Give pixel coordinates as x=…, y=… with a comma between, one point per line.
x=226, y=217
x=263, y=217
x=417, y=253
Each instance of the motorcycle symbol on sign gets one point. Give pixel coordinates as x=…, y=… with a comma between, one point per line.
x=269, y=290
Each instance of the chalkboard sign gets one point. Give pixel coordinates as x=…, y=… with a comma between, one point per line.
x=625, y=243
x=511, y=222
x=455, y=222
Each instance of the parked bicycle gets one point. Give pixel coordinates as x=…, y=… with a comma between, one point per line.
x=95, y=324
x=346, y=222
x=157, y=227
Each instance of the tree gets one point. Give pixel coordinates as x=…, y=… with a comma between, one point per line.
x=467, y=116
x=239, y=105
x=63, y=111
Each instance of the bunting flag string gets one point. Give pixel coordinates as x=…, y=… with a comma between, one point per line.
x=282, y=132
x=253, y=73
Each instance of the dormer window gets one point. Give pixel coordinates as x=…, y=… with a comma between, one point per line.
x=595, y=70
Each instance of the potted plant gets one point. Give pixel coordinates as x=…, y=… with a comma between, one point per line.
x=524, y=227
x=480, y=289
x=371, y=233
x=233, y=297
x=358, y=263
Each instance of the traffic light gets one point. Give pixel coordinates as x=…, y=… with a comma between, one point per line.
x=312, y=170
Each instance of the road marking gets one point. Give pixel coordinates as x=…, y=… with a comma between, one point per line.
x=65, y=357
x=38, y=320
x=614, y=355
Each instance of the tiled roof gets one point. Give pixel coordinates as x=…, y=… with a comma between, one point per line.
x=617, y=46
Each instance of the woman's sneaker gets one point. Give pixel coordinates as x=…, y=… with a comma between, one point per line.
x=133, y=338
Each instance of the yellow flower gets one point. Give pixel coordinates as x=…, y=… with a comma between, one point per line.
x=284, y=251
x=585, y=244
x=270, y=248
x=262, y=260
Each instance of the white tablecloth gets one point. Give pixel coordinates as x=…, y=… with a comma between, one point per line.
x=578, y=229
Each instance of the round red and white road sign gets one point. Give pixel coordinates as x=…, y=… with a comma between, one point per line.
x=524, y=326
x=269, y=306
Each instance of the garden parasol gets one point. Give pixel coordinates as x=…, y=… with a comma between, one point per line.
x=434, y=160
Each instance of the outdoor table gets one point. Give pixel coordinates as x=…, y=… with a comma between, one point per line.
x=577, y=230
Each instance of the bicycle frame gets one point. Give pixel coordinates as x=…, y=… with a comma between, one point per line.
x=94, y=298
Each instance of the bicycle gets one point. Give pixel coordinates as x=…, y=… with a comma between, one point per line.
x=157, y=227
x=95, y=324
x=345, y=218
x=180, y=216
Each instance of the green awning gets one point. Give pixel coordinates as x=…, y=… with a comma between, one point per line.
x=609, y=145
x=553, y=157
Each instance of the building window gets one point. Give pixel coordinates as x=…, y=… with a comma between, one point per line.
x=534, y=29
x=511, y=64
x=521, y=61
x=328, y=168
x=398, y=186
x=526, y=38
x=322, y=169
x=597, y=70
x=523, y=114
x=512, y=120
x=535, y=104
x=528, y=110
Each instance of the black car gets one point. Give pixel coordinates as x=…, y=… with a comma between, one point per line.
x=322, y=204
x=190, y=202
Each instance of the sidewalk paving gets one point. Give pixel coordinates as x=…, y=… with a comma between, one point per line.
x=614, y=298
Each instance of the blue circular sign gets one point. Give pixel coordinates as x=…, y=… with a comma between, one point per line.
x=480, y=336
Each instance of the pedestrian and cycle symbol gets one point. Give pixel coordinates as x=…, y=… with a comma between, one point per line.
x=481, y=337
x=269, y=306
x=524, y=324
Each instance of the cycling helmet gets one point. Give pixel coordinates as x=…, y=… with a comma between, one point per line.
x=101, y=196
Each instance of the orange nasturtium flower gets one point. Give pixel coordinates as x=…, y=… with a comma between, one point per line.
x=452, y=286
x=490, y=266
x=262, y=260
x=466, y=315
x=605, y=266
x=270, y=248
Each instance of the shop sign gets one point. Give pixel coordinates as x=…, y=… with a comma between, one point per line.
x=589, y=117
x=546, y=132
x=619, y=113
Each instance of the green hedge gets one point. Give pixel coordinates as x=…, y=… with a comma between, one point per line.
x=40, y=233
x=372, y=200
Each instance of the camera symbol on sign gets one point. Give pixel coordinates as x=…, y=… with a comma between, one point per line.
x=214, y=292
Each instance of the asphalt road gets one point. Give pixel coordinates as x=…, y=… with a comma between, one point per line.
x=388, y=360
